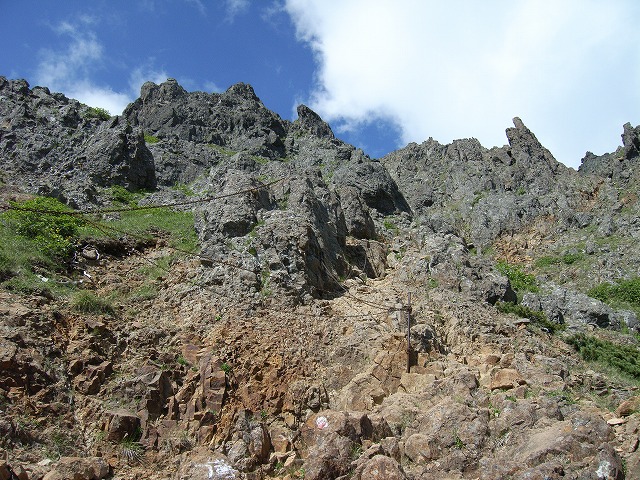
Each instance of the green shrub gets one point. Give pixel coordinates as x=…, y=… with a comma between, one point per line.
x=97, y=112
x=47, y=222
x=390, y=225
x=118, y=193
x=150, y=138
x=571, y=258
x=520, y=281
x=88, y=302
x=626, y=291
x=624, y=359
x=547, y=261
x=537, y=317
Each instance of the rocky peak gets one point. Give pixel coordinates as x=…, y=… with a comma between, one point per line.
x=526, y=148
x=619, y=166
x=631, y=140
x=311, y=121
x=165, y=92
x=243, y=90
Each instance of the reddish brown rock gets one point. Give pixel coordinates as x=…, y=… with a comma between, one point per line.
x=381, y=467
x=418, y=448
x=121, y=425
x=628, y=407
x=75, y=468
x=506, y=379
x=90, y=381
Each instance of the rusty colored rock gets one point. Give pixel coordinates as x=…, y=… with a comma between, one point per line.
x=506, y=379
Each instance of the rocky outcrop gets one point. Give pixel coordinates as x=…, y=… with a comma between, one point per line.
x=577, y=310
x=235, y=119
x=58, y=147
x=285, y=348
x=478, y=192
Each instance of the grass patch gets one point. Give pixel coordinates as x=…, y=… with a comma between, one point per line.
x=46, y=222
x=623, y=359
x=36, y=242
x=88, y=302
x=390, y=226
x=566, y=259
x=119, y=194
x=625, y=293
x=148, y=291
x=38, y=238
x=520, y=281
x=222, y=150
x=564, y=395
x=179, y=226
x=537, y=317
x=150, y=138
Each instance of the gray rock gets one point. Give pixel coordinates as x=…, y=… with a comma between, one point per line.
x=574, y=309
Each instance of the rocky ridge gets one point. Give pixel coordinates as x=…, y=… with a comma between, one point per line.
x=294, y=364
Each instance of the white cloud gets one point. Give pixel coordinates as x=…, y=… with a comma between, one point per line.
x=145, y=74
x=72, y=69
x=236, y=7
x=96, y=96
x=459, y=69
x=199, y=6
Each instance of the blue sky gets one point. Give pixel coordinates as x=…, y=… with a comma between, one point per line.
x=381, y=72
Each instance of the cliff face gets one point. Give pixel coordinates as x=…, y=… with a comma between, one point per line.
x=279, y=349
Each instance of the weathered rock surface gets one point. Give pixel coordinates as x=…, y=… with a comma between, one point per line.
x=281, y=352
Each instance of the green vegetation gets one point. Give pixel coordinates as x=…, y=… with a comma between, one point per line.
x=625, y=293
x=565, y=395
x=178, y=226
x=38, y=237
x=131, y=450
x=226, y=368
x=47, y=223
x=184, y=188
x=97, y=112
x=222, y=150
x=356, y=450
x=59, y=444
x=537, y=317
x=566, y=259
x=150, y=138
x=182, y=361
x=520, y=281
x=389, y=225
x=86, y=301
x=119, y=194
x=477, y=197
x=457, y=441
x=148, y=291
x=265, y=280
x=621, y=359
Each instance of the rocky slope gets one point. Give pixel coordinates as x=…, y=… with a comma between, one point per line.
x=280, y=351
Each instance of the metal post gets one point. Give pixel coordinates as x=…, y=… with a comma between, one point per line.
x=409, y=332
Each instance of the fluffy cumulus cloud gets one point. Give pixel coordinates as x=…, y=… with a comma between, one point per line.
x=570, y=69
x=70, y=70
x=73, y=69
